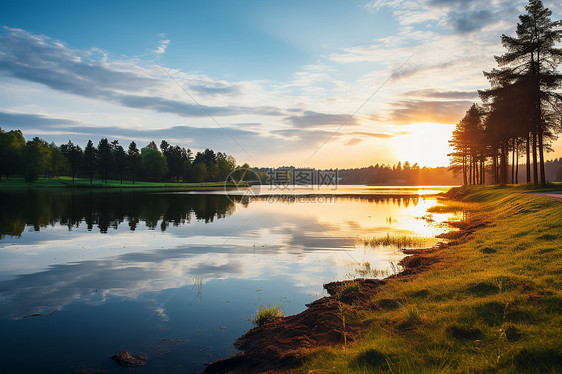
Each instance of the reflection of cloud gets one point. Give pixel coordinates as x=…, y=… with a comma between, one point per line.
x=279, y=239
x=95, y=281
x=132, y=274
x=160, y=312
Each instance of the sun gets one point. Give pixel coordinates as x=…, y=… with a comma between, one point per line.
x=426, y=144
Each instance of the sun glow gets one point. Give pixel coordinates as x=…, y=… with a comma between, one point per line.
x=425, y=144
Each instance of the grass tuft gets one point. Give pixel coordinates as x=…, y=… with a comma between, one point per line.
x=370, y=359
x=462, y=332
x=538, y=360
x=482, y=289
x=268, y=314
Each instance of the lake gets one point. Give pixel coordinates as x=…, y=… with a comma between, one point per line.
x=177, y=276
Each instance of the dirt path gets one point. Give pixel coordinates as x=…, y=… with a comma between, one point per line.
x=557, y=195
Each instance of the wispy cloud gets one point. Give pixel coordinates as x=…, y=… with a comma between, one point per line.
x=435, y=94
x=412, y=111
x=310, y=119
x=163, y=44
x=49, y=62
x=459, y=16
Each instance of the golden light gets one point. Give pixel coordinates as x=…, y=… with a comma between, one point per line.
x=426, y=144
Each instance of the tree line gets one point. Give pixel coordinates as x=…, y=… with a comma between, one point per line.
x=109, y=160
x=398, y=174
x=522, y=111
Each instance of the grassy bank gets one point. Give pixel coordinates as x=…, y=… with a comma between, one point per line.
x=65, y=182
x=491, y=303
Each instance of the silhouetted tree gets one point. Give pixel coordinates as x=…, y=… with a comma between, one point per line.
x=120, y=159
x=531, y=61
x=90, y=157
x=133, y=160
x=73, y=154
x=104, y=158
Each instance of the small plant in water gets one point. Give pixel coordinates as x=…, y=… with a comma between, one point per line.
x=267, y=314
x=395, y=241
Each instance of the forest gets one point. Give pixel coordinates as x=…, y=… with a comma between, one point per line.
x=522, y=111
x=109, y=160
x=399, y=174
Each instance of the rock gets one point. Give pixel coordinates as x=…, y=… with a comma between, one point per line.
x=126, y=359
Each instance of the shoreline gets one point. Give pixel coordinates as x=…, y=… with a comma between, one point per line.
x=277, y=345
x=342, y=324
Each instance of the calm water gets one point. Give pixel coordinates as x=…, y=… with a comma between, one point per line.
x=174, y=276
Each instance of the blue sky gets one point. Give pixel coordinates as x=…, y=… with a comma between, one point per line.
x=284, y=82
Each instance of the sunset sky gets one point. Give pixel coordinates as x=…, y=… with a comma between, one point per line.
x=303, y=83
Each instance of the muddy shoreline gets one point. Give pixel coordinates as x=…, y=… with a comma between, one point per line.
x=279, y=345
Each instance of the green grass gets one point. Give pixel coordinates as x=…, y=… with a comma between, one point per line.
x=397, y=241
x=493, y=302
x=66, y=182
x=268, y=313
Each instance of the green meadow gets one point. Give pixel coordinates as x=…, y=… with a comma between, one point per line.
x=20, y=183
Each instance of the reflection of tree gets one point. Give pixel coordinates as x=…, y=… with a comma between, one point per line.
x=106, y=210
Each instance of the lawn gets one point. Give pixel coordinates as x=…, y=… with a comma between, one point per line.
x=19, y=183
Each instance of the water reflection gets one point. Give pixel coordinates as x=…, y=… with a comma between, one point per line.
x=105, y=210
x=188, y=263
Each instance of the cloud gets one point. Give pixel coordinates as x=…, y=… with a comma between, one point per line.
x=196, y=137
x=180, y=108
x=163, y=44
x=460, y=16
x=42, y=60
x=435, y=94
x=310, y=119
x=413, y=111
x=471, y=21
x=215, y=88
x=22, y=121
x=353, y=141
x=378, y=135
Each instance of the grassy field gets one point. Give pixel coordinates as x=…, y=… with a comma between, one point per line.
x=492, y=302
x=63, y=182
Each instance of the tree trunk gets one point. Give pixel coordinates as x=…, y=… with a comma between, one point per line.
x=470, y=170
x=513, y=161
x=535, y=171
x=528, y=158
x=476, y=171
x=541, y=156
x=504, y=162
x=517, y=165
x=495, y=168
x=483, y=173
x=463, y=169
